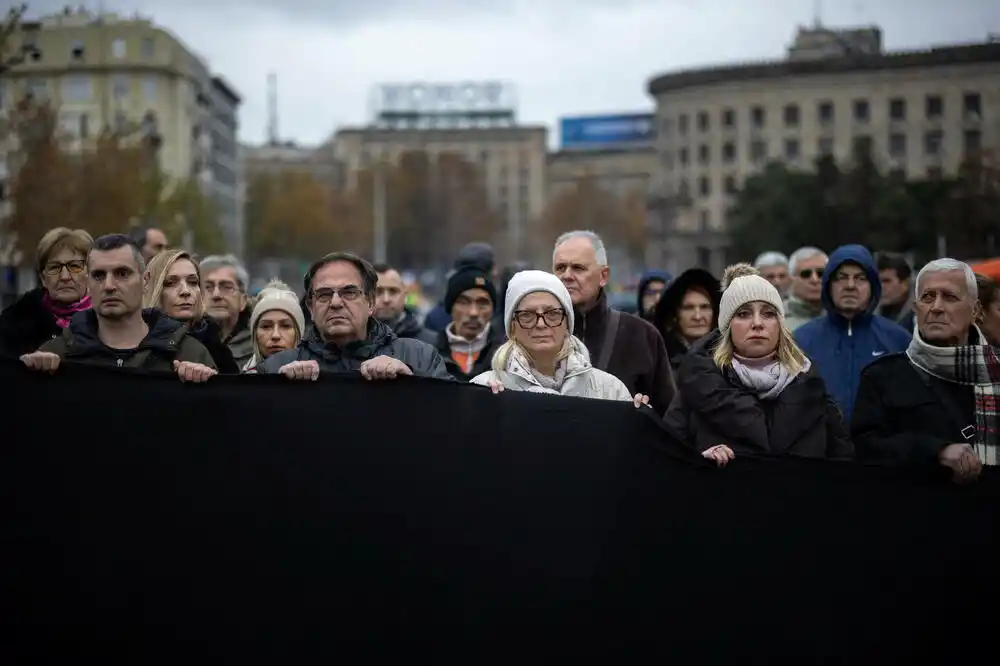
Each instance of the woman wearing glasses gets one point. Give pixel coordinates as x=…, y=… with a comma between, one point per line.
x=42, y=313
x=541, y=355
x=173, y=286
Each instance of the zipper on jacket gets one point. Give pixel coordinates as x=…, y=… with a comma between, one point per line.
x=850, y=330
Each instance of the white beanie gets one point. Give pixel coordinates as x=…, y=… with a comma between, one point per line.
x=529, y=282
x=277, y=296
x=743, y=284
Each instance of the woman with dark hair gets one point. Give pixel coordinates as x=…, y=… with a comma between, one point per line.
x=988, y=317
x=688, y=310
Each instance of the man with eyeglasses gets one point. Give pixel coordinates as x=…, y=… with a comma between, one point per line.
x=850, y=336
x=467, y=344
x=224, y=282
x=805, y=299
x=346, y=336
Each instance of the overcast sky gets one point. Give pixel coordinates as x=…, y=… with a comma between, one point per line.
x=565, y=57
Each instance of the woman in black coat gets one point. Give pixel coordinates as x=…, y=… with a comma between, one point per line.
x=747, y=389
x=687, y=311
x=173, y=286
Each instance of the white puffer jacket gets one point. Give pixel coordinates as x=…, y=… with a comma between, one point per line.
x=582, y=380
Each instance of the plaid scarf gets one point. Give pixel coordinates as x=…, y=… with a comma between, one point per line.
x=974, y=365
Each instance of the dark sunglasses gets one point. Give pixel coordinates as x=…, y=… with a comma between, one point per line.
x=806, y=273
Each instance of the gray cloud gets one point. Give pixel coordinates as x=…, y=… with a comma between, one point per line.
x=565, y=56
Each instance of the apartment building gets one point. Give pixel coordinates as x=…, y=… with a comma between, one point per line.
x=275, y=157
x=920, y=112
x=224, y=177
x=109, y=71
x=512, y=160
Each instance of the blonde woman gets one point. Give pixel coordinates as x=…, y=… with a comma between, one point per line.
x=42, y=313
x=541, y=355
x=747, y=388
x=276, y=323
x=172, y=285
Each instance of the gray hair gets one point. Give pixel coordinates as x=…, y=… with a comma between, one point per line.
x=599, y=250
x=765, y=259
x=214, y=262
x=947, y=265
x=803, y=254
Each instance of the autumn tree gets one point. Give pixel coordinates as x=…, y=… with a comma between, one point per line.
x=434, y=204
x=620, y=222
x=103, y=184
x=290, y=214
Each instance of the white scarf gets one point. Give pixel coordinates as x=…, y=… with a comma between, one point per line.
x=767, y=381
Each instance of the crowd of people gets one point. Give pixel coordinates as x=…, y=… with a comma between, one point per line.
x=839, y=356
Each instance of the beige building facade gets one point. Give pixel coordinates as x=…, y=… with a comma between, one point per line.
x=921, y=113
x=623, y=172
x=511, y=159
x=270, y=158
x=105, y=71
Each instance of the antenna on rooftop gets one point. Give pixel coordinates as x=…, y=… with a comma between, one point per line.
x=818, y=13
x=272, y=109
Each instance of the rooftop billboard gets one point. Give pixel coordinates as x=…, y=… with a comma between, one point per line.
x=596, y=132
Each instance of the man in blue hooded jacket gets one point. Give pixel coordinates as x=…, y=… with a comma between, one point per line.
x=850, y=336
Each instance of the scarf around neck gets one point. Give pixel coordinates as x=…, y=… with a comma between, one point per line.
x=974, y=365
x=766, y=378
x=63, y=312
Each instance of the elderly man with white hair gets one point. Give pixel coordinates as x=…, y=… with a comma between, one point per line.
x=773, y=266
x=935, y=404
x=805, y=298
x=621, y=344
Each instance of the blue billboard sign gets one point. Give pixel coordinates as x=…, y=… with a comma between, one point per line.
x=606, y=131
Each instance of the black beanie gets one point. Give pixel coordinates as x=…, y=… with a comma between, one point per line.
x=469, y=277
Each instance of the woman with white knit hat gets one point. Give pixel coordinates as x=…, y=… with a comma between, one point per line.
x=541, y=355
x=747, y=388
x=276, y=323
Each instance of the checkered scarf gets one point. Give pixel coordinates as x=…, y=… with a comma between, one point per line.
x=971, y=365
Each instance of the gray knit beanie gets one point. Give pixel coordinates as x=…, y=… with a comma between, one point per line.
x=742, y=284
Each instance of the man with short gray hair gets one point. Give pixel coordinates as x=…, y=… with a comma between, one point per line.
x=224, y=282
x=805, y=299
x=935, y=404
x=619, y=343
x=774, y=267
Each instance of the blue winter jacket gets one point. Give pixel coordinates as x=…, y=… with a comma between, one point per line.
x=841, y=347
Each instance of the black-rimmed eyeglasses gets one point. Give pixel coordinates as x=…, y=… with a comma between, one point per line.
x=529, y=319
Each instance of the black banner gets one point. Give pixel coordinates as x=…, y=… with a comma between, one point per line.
x=254, y=518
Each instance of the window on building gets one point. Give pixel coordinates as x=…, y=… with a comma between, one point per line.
x=703, y=122
x=791, y=149
x=728, y=118
x=704, y=224
x=791, y=115
x=825, y=146
x=897, y=145
x=972, y=142
x=730, y=185
x=971, y=105
x=704, y=186
x=118, y=48
x=824, y=113
x=83, y=129
x=897, y=109
x=932, y=142
x=77, y=51
x=862, y=146
x=682, y=124
x=934, y=107
x=120, y=85
x=682, y=156
x=704, y=153
x=77, y=89
x=728, y=152
x=147, y=47
x=758, y=150
x=149, y=91
x=37, y=89
x=758, y=118
x=862, y=111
